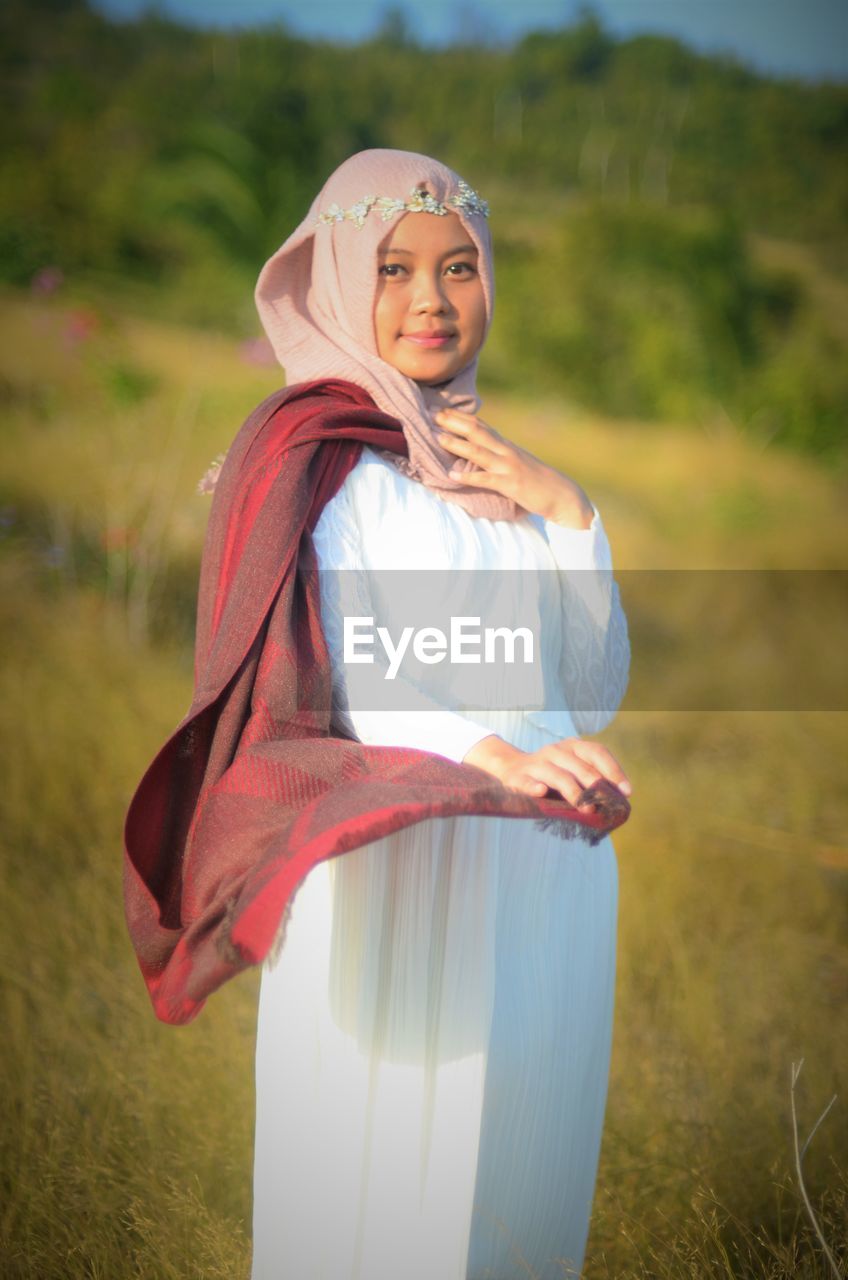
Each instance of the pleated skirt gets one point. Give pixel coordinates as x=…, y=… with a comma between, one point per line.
x=432, y=1059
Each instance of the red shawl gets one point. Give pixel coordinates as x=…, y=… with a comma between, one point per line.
x=254, y=788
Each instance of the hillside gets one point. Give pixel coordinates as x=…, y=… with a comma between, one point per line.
x=125, y=1145
x=633, y=184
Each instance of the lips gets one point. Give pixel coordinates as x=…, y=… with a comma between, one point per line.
x=430, y=337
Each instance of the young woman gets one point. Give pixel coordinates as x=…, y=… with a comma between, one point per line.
x=436, y=1007
x=434, y=1038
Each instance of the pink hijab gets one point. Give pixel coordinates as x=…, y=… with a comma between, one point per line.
x=316, y=295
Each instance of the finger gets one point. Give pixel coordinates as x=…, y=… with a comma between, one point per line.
x=462, y=444
x=468, y=426
x=585, y=772
x=555, y=777
x=455, y=420
x=480, y=478
x=477, y=453
x=603, y=760
x=527, y=786
x=492, y=480
x=475, y=437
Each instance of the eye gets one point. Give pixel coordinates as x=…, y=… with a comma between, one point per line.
x=391, y=269
x=461, y=268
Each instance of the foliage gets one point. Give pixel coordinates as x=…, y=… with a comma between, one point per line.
x=627, y=179
x=670, y=316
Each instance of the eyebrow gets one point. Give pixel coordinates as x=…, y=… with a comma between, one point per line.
x=462, y=248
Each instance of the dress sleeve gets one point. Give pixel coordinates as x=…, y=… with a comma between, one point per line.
x=416, y=719
x=595, y=656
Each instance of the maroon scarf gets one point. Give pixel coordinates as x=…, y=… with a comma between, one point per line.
x=254, y=789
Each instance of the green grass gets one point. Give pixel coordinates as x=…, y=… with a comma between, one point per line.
x=126, y=1145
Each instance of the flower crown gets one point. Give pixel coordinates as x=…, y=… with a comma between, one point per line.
x=422, y=202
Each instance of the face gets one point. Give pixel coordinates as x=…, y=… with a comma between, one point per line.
x=430, y=310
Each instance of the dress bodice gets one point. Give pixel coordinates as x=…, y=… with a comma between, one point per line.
x=390, y=549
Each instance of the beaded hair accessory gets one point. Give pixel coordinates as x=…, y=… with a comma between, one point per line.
x=422, y=202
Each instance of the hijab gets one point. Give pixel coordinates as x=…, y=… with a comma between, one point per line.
x=316, y=297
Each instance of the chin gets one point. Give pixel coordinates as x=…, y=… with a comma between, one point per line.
x=437, y=379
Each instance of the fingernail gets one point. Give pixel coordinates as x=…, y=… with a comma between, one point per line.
x=626, y=788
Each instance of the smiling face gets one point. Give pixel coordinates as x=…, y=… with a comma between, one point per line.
x=430, y=309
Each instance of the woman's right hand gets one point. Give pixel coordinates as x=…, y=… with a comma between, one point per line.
x=568, y=766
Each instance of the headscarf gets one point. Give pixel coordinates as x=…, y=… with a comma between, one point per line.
x=316, y=298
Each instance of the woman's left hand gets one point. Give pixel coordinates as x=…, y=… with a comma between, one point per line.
x=512, y=471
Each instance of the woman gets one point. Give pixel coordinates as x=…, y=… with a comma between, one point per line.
x=434, y=1030
x=434, y=1037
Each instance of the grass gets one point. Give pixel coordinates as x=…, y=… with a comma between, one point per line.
x=125, y=1146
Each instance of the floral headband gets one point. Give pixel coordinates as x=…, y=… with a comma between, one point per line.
x=422, y=202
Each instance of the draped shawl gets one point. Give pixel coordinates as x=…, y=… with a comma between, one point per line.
x=255, y=786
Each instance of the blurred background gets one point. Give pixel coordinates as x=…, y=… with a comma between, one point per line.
x=669, y=194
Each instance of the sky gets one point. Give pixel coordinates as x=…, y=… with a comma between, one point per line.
x=804, y=38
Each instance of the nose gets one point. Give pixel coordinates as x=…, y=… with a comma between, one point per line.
x=429, y=296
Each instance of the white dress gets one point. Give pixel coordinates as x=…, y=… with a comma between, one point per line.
x=434, y=1036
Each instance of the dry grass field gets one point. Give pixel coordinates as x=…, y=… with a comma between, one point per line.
x=125, y=1145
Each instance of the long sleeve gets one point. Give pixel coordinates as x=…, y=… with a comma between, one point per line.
x=595, y=654
x=406, y=716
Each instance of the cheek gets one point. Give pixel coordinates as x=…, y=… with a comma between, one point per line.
x=478, y=317
x=383, y=322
